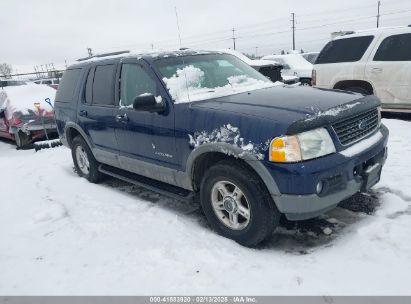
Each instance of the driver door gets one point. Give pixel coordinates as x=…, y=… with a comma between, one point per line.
x=144, y=138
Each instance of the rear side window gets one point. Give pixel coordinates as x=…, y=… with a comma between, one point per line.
x=344, y=50
x=103, y=84
x=395, y=48
x=89, y=87
x=68, y=85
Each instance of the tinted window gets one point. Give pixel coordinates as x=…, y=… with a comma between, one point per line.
x=46, y=82
x=395, y=48
x=89, y=86
x=344, y=50
x=103, y=85
x=135, y=82
x=68, y=85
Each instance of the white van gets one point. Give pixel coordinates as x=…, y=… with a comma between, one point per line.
x=376, y=61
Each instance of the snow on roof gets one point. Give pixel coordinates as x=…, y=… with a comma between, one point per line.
x=251, y=62
x=375, y=31
x=22, y=98
x=293, y=60
x=147, y=54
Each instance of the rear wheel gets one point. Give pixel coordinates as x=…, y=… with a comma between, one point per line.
x=22, y=139
x=237, y=204
x=84, y=162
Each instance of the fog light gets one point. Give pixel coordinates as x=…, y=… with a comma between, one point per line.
x=319, y=187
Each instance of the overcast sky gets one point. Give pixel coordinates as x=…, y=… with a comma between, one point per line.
x=52, y=31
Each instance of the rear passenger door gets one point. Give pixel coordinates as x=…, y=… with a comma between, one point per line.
x=389, y=70
x=96, y=111
x=144, y=136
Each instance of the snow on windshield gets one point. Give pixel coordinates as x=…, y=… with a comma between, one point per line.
x=185, y=85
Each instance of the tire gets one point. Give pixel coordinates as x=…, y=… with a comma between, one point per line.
x=305, y=82
x=263, y=215
x=357, y=90
x=22, y=139
x=84, y=162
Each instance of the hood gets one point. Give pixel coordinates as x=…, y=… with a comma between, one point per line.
x=300, y=108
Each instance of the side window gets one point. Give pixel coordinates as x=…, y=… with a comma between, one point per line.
x=344, y=50
x=103, y=84
x=68, y=85
x=394, y=48
x=88, y=95
x=135, y=82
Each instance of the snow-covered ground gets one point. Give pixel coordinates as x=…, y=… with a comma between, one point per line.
x=60, y=234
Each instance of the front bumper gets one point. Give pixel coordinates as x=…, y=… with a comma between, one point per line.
x=343, y=176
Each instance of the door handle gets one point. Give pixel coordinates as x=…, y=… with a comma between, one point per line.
x=122, y=118
x=376, y=70
x=82, y=113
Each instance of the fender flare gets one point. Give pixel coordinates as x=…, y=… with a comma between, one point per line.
x=237, y=152
x=73, y=125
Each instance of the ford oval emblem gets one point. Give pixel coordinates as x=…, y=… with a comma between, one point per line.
x=363, y=124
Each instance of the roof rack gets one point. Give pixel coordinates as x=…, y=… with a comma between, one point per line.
x=103, y=55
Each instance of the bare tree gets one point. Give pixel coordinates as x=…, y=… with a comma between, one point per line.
x=6, y=70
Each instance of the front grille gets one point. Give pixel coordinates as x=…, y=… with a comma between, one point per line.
x=356, y=127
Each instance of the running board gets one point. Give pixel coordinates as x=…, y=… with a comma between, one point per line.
x=148, y=183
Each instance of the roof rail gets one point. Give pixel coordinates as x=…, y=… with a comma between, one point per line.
x=103, y=55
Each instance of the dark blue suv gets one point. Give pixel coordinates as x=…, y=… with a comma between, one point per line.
x=205, y=125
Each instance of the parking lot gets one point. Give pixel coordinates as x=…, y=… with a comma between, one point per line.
x=63, y=235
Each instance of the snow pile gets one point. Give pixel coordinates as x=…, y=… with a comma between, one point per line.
x=185, y=85
x=22, y=98
x=229, y=134
x=65, y=236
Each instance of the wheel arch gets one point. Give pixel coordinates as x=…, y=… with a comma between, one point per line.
x=72, y=130
x=343, y=84
x=208, y=154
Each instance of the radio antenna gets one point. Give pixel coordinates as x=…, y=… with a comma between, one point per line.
x=178, y=26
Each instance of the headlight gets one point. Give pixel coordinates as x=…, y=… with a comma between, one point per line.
x=303, y=146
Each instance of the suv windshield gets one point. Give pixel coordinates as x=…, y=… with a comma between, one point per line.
x=199, y=77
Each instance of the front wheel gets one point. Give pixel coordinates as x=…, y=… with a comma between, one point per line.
x=84, y=162
x=237, y=204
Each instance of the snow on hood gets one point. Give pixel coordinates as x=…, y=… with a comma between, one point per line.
x=22, y=98
x=185, y=85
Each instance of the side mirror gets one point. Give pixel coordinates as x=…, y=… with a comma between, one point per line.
x=147, y=102
x=2, y=113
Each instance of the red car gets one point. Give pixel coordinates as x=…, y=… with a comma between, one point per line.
x=26, y=113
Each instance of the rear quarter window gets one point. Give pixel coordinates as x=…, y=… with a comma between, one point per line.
x=103, y=84
x=344, y=50
x=68, y=85
x=395, y=48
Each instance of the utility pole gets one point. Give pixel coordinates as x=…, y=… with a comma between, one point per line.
x=152, y=46
x=378, y=14
x=293, y=27
x=90, y=52
x=256, y=51
x=234, y=38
